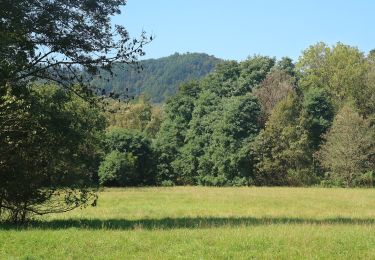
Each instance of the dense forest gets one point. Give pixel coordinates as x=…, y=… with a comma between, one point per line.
x=261, y=121
x=158, y=78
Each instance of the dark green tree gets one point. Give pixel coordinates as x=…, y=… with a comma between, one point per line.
x=227, y=157
x=49, y=152
x=254, y=70
x=44, y=137
x=119, y=169
x=171, y=137
x=222, y=120
x=142, y=157
x=317, y=115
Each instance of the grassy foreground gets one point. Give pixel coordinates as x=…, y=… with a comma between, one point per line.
x=205, y=223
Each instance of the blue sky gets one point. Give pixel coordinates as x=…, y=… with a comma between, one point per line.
x=236, y=29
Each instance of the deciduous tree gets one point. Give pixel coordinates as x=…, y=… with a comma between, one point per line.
x=349, y=151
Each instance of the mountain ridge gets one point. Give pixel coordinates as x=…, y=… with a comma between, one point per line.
x=160, y=77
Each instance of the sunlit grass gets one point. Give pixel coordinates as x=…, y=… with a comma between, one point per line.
x=205, y=223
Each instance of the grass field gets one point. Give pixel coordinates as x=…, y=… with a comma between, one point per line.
x=205, y=223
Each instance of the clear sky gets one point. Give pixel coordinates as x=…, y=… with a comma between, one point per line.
x=236, y=29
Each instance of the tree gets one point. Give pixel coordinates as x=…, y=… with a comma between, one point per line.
x=214, y=149
x=49, y=152
x=139, y=115
x=317, y=115
x=254, y=70
x=118, y=169
x=44, y=39
x=45, y=139
x=274, y=88
x=286, y=65
x=171, y=137
x=281, y=150
x=227, y=155
x=349, y=151
x=366, y=96
x=341, y=70
x=131, y=148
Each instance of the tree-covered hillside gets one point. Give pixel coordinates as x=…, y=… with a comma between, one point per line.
x=160, y=77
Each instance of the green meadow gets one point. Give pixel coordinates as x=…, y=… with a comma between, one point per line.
x=204, y=223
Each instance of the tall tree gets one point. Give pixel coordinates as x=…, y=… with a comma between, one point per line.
x=223, y=121
x=317, y=115
x=139, y=114
x=274, y=88
x=341, y=70
x=49, y=152
x=349, y=151
x=173, y=131
x=281, y=150
x=43, y=137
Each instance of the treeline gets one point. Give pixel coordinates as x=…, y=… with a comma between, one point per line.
x=159, y=78
x=256, y=122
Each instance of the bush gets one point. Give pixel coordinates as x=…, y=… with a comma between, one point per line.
x=365, y=180
x=208, y=180
x=303, y=177
x=238, y=181
x=167, y=183
x=118, y=169
x=130, y=155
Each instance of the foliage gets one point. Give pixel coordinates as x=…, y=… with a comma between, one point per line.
x=48, y=39
x=274, y=88
x=341, y=70
x=287, y=66
x=139, y=115
x=225, y=161
x=173, y=130
x=349, y=151
x=159, y=78
x=49, y=137
x=281, y=150
x=118, y=169
x=208, y=125
x=366, y=96
x=254, y=70
x=48, y=153
x=130, y=159
x=318, y=113
x=260, y=121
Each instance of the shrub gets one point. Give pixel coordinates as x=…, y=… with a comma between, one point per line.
x=118, y=169
x=167, y=183
x=365, y=179
x=129, y=149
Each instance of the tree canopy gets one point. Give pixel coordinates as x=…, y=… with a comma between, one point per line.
x=49, y=136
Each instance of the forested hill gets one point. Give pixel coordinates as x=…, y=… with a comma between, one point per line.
x=160, y=77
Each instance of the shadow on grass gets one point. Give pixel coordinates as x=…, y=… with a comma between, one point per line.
x=176, y=223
